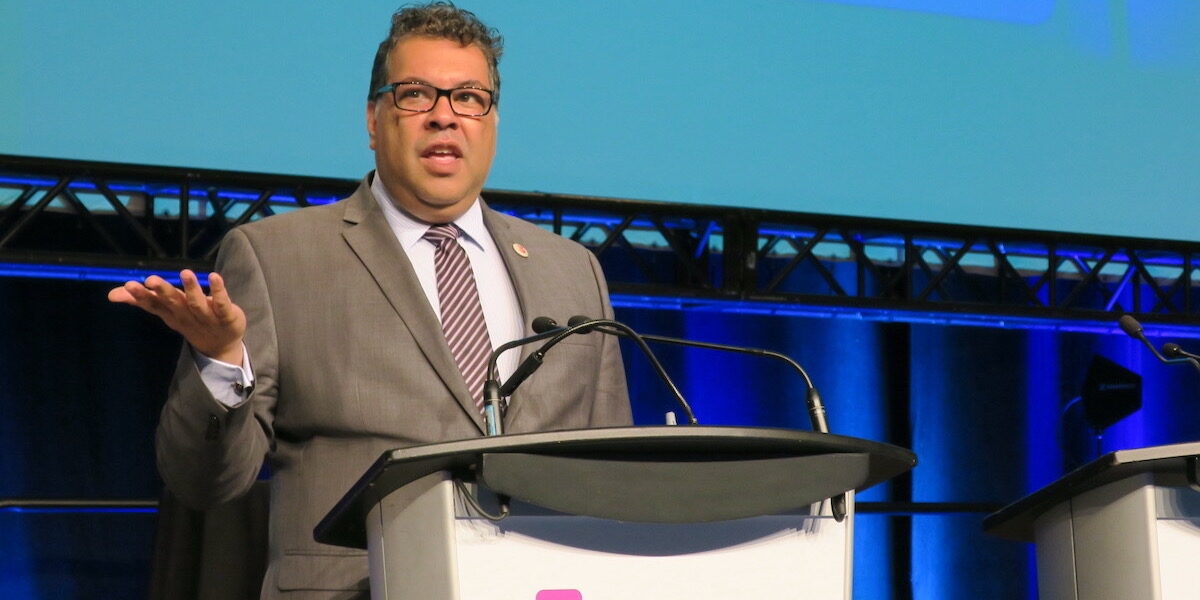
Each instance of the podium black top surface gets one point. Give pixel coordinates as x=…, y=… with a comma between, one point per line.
x=1015, y=521
x=344, y=525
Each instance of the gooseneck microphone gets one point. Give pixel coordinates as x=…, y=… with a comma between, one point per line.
x=816, y=410
x=584, y=325
x=543, y=327
x=1175, y=351
x=1133, y=329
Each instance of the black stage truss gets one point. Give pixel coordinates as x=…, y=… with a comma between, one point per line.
x=68, y=214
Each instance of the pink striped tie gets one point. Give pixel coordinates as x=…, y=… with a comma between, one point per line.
x=462, y=316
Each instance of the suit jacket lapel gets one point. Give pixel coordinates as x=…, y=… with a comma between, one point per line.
x=372, y=240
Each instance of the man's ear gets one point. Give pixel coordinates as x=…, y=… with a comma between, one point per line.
x=371, y=124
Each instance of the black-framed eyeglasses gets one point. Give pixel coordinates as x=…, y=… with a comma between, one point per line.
x=421, y=97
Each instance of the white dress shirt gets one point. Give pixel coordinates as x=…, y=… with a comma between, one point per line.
x=497, y=295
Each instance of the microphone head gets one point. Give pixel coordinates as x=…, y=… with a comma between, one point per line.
x=1173, y=350
x=1130, y=326
x=544, y=324
x=577, y=320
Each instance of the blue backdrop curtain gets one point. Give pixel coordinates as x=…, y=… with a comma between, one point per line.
x=81, y=383
x=80, y=387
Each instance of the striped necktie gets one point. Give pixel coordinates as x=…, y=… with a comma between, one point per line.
x=462, y=315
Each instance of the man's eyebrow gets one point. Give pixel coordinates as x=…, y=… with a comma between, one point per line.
x=472, y=83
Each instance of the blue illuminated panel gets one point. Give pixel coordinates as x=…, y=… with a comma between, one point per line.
x=88, y=273
x=79, y=510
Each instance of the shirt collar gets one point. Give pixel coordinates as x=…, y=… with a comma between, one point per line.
x=410, y=231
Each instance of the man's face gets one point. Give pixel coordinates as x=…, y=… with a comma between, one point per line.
x=433, y=163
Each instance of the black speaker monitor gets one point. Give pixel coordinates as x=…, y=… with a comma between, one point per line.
x=1110, y=393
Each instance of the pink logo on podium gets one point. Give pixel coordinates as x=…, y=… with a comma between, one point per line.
x=559, y=595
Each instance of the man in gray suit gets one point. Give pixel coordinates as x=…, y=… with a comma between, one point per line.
x=322, y=345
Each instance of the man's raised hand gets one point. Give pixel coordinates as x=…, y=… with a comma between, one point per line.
x=213, y=325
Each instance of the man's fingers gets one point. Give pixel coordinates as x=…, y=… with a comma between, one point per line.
x=221, y=304
x=159, y=291
x=197, y=301
x=138, y=295
x=120, y=294
x=190, y=281
x=142, y=296
x=158, y=297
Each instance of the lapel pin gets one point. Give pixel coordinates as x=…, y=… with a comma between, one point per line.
x=520, y=250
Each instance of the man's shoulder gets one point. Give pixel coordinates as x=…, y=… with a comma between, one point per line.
x=529, y=233
x=298, y=218
x=303, y=220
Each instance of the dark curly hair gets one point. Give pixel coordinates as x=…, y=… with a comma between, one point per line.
x=441, y=20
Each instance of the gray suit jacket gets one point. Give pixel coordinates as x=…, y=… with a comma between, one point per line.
x=350, y=361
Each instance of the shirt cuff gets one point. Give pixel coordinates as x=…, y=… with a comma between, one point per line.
x=229, y=384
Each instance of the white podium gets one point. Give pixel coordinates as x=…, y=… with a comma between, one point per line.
x=1124, y=526
x=624, y=513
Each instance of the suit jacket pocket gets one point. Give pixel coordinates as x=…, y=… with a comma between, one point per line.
x=315, y=571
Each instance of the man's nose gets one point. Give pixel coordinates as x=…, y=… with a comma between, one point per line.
x=442, y=116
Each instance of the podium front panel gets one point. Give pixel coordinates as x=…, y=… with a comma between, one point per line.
x=1134, y=538
x=1178, y=531
x=564, y=557
x=769, y=558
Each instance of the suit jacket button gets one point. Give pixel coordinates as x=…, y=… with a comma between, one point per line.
x=214, y=428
